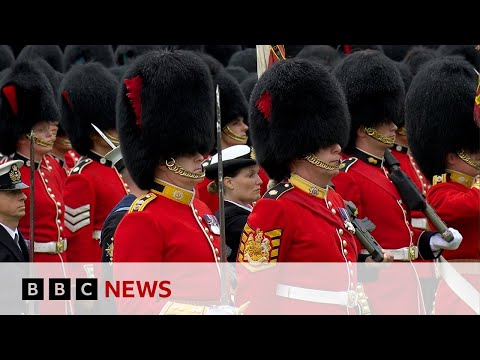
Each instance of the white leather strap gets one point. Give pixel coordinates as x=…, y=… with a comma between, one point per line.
x=460, y=285
x=420, y=223
x=52, y=247
x=402, y=254
x=97, y=234
x=343, y=298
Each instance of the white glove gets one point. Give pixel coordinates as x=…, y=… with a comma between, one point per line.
x=438, y=243
x=227, y=309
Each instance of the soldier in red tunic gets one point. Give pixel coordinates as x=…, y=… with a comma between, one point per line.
x=440, y=106
x=234, y=118
x=21, y=114
x=93, y=187
x=165, y=118
x=375, y=108
x=298, y=123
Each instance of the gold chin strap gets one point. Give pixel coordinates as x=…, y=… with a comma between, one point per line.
x=312, y=159
x=376, y=135
x=402, y=131
x=65, y=142
x=464, y=156
x=177, y=169
x=240, y=138
x=113, y=139
x=39, y=141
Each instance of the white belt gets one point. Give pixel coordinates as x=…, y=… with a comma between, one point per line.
x=402, y=254
x=420, y=223
x=344, y=298
x=97, y=234
x=53, y=247
x=460, y=285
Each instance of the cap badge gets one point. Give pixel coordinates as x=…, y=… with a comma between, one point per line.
x=14, y=173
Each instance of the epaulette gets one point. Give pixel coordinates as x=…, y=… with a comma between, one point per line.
x=140, y=203
x=278, y=190
x=345, y=164
x=79, y=166
x=438, y=179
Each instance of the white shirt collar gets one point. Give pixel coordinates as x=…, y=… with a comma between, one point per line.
x=10, y=231
x=249, y=207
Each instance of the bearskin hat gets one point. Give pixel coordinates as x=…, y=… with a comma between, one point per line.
x=88, y=95
x=467, y=52
x=396, y=52
x=439, y=113
x=323, y=54
x=165, y=108
x=248, y=84
x=125, y=54
x=222, y=53
x=297, y=107
x=52, y=54
x=418, y=56
x=373, y=88
x=246, y=58
x=232, y=101
x=81, y=54
x=6, y=57
x=118, y=71
x=26, y=99
x=238, y=72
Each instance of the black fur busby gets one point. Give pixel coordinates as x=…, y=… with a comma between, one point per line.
x=125, y=54
x=239, y=73
x=246, y=58
x=119, y=71
x=296, y=108
x=248, y=84
x=196, y=48
x=88, y=95
x=373, y=88
x=6, y=57
x=54, y=77
x=26, y=99
x=396, y=52
x=323, y=54
x=52, y=54
x=222, y=53
x=82, y=54
x=439, y=113
x=417, y=57
x=232, y=101
x=292, y=50
x=213, y=64
x=165, y=108
x=405, y=73
x=467, y=52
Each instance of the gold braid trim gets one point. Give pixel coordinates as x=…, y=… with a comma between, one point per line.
x=240, y=138
x=177, y=169
x=464, y=156
x=312, y=159
x=376, y=135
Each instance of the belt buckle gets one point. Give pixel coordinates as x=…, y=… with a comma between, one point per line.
x=351, y=298
x=412, y=253
x=59, y=246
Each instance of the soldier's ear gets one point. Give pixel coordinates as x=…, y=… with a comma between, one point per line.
x=451, y=159
x=361, y=132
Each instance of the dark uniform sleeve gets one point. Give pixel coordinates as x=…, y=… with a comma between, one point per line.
x=108, y=229
x=234, y=229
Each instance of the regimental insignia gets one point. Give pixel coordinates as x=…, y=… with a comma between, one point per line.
x=372, y=160
x=212, y=223
x=278, y=190
x=140, y=203
x=438, y=179
x=14, y=173
x=80, y=165
x=109, y=250
x=178, y=195
x=259, y=249
x=346, y=164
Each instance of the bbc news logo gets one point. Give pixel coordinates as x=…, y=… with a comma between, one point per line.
x=87, y=289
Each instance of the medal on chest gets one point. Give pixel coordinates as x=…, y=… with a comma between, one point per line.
x=346, y=220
